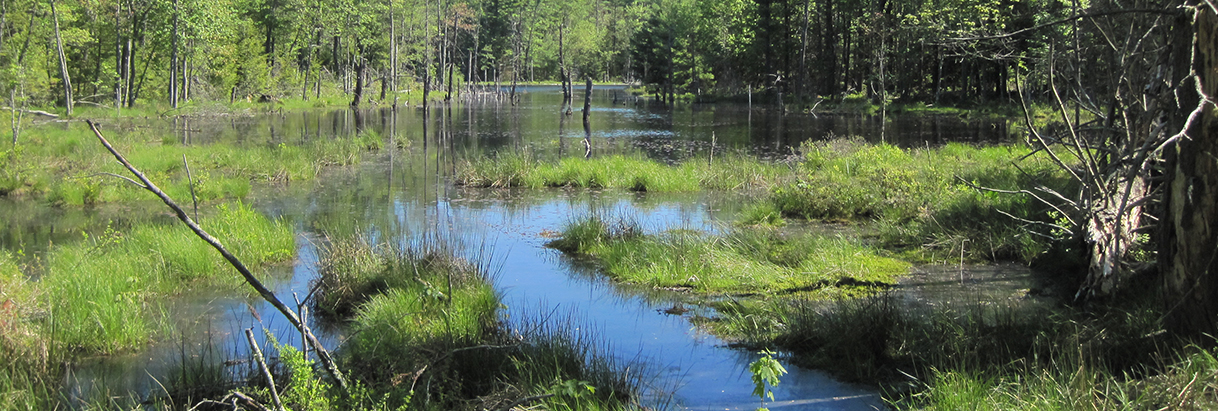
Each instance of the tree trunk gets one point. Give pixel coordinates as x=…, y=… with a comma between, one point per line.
x=1189, y=245
x=359, y=83
x=63, y=61
x=173, y=60
x=3, y=22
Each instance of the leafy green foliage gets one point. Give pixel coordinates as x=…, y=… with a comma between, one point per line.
x=766, y=372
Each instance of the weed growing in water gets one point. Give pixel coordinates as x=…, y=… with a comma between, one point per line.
x=986, y=356
x=57, y=165
x=766, y=373
x=763, y=213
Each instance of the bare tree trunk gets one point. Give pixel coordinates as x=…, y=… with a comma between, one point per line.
x=393, y=51
x=1188, y=252
x=360, y=70
x=63, y=61
x=3, y=22
x=562, y=68
x=173, y=59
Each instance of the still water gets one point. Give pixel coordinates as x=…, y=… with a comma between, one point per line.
x=402, y=192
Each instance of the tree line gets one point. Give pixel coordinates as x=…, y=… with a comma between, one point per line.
x=119, y=52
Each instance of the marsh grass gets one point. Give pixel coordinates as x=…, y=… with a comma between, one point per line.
x=108, y=290
x=24, y=384
x=986, y=356
x=62, y=165
x=742, y=261
x=919, y=198
x=353, y=271
x=426, y=332
x=636, y=173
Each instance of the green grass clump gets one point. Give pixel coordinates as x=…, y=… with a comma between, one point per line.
x=618, y=171
x=745, y=260
x=763, y=213
x=426, y=333
x=353, y=271
x=106, y=290
x=921, y=200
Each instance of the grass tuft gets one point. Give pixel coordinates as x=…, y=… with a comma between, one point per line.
x=745, y=260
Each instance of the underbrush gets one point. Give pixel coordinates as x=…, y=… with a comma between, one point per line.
x=741, y=261
x=522, y=169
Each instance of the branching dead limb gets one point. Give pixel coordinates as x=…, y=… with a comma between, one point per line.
x=322, y=354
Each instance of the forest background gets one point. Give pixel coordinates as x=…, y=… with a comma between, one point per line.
x=167, y=52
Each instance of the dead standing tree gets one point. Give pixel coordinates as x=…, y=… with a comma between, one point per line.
x=1113, y=126
x=1116, y=156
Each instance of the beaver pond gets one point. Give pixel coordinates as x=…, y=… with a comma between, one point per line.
x=405, y=192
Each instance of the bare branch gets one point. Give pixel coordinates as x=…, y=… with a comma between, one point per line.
x=1062, y=21
x=322, y=354
x=129, y=180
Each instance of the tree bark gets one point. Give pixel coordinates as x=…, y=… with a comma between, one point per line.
x=63, y=61
x=1189, y=246
x=359, y=83
x=173, y=60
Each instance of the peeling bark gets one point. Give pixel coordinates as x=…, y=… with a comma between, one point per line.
x=1189, y=242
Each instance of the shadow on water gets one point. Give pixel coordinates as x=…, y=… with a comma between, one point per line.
x=402, y=192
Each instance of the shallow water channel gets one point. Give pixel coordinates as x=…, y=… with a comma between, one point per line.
x=400, y=194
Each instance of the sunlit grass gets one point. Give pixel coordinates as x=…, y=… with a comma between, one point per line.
x=922, y=200
x=106, y=290
x=521, y=169
x=66, y=165
x=423, y=311
x=745, y=260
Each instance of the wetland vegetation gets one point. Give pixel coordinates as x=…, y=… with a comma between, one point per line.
x=1109, y=195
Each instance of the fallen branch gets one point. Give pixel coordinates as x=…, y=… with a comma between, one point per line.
x=37, y=112
x=266, y=371
x=323, y=355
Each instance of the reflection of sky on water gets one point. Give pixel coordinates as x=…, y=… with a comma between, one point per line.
x=401, y=197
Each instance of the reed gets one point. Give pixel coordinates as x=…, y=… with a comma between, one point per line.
x=985, y=355
x=921, y=199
